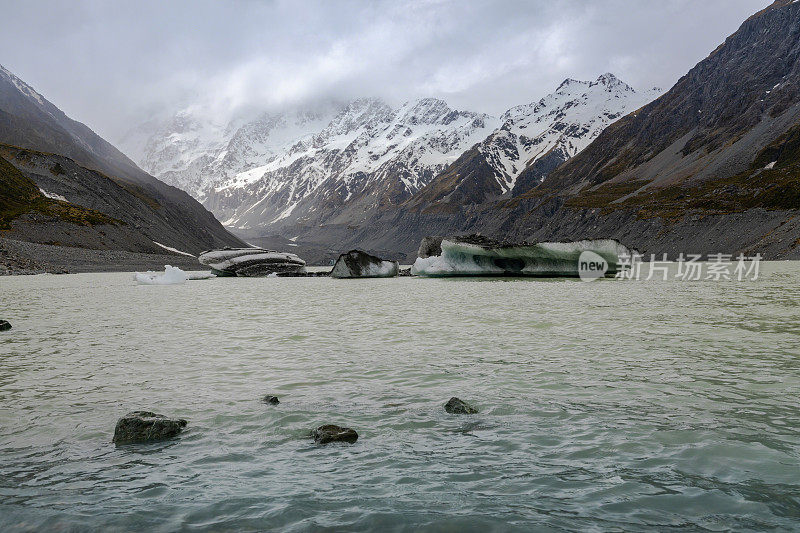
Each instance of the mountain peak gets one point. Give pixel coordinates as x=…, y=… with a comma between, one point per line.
x=610, y=81
x=568, y=83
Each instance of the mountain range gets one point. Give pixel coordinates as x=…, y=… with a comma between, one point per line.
x=370, y=157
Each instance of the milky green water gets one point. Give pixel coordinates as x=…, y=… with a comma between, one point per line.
x=604, y=406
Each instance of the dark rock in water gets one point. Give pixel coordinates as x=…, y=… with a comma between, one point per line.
x=4, y=325
x=270, y=399
x=330, y=433
x=455, y=406
x=144, y=426
x=358, y=264
x=430, y=247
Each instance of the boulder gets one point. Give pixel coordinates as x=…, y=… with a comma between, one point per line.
x=455, y=406
x=4, y=325
x=358, y=264
x=270, y=399
x=144, y=426
x=330, y=433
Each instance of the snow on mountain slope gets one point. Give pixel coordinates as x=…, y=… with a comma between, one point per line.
x=194, y=153
x=339, y=164
x=566, y=121
x=532, y=141
x=368, y=143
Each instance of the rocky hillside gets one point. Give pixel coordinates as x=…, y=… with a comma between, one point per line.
x=85, y=174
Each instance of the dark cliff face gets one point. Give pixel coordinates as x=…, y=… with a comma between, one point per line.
x=29, y=121
x=751, y=79
x=469, y=180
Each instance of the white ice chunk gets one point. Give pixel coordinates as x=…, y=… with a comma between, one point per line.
x=171, y=276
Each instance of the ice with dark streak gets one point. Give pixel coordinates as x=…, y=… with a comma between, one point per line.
x=251, y=262
x=475, y=255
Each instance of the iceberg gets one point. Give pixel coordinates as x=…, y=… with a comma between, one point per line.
x=475, y=255
x=251, y=262
x=358, y=264
x=171, y=276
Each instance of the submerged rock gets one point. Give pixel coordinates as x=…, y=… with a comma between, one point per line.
x=475, y=255
x=358, y=264
x=455, y=406
x=145, y=426
x=4, y=325
x=330, y=433
x=251, y=262
x=270, y=399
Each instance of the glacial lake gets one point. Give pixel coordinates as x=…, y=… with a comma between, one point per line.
x=606, y=406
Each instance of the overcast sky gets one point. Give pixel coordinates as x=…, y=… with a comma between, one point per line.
x=110, y=64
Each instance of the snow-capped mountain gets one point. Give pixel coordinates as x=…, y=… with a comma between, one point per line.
x=195, y=153
x=534, y=139
x=367, y=156
x=343, y=163
x=565, y=122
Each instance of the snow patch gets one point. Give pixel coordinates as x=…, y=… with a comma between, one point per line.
x=770, y=166
x=173, y=249
x=52, y=195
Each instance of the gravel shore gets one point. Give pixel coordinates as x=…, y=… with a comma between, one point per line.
x=19, y=257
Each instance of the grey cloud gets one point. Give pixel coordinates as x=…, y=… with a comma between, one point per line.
x=111, y=64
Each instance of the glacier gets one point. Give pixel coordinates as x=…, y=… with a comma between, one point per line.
x=474, y=255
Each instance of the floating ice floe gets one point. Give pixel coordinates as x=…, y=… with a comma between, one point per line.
x=358, y=264
x=198, y=274
x=171, y=276
x=251, y=262
x=475, y=255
